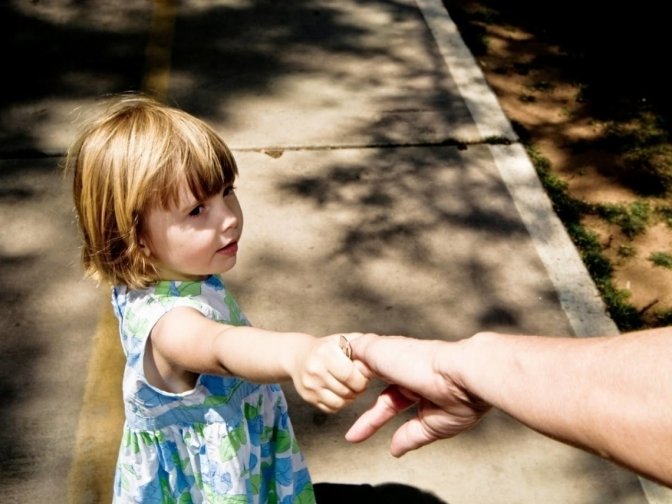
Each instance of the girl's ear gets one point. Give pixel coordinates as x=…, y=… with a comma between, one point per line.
x=144, y=248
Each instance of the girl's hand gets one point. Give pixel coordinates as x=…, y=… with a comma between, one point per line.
x=325, y=377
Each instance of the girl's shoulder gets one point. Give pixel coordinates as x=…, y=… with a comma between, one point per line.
x=209, y=296
x=207, y=288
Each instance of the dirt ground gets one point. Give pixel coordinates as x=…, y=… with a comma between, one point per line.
x=546, y=91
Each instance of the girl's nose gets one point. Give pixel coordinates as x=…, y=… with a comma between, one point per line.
x=229, y=212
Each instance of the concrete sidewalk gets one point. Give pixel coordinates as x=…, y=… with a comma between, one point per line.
x=383, y=191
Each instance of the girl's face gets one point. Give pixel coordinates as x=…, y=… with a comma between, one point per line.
x=194, y=238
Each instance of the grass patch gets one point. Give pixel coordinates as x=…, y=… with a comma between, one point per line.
x=626, y=251
x=625, y=315
x=662, y=259
x=570, y=211
x=632, y=219
x=664, y=213
x=643, y=142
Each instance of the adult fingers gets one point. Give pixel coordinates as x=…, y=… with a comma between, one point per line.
x=389, y=403
x=410, y=436
x=398, y=359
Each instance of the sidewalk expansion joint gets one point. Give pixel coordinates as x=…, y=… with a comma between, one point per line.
x=277, y=150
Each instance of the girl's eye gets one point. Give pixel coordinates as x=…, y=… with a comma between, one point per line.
x=229, y=190
x=196, y=211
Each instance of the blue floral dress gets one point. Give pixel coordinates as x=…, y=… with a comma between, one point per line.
x=226, y=441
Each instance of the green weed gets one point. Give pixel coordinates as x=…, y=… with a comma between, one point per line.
x=662, y=259
x=633, y=219
x=626, y=251
x=664, y=212
x=570, y=210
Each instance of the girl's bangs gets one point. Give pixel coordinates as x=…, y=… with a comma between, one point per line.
x=205, y=168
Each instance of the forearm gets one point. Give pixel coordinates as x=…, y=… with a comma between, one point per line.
x=612, y=396
x=320, y=371
x=185, y=344
x=259, y=355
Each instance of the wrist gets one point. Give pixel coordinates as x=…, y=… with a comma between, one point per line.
x=298, y=347
x=466, y=363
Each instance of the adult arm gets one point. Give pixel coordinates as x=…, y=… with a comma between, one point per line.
x=608, y=395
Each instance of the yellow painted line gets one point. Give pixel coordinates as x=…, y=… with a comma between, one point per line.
x=101, y=417
x=157, y=72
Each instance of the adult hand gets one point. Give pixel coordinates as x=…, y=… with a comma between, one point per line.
x=420, y=373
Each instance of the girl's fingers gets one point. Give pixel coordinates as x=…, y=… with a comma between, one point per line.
x=330, y=402
x=352, y=378
x=333, y=385
x=352, y=374
x=325, y=383
x=330, y=377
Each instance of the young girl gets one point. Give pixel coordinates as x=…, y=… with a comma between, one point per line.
x=205, y=421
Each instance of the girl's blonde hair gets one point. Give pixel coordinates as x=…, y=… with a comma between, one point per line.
x=133, y=157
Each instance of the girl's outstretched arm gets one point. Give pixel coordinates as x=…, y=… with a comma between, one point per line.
x=184, y=344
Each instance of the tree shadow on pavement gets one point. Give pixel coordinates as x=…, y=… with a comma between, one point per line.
x=395, y=200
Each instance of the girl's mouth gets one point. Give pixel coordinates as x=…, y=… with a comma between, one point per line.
x=230, y=250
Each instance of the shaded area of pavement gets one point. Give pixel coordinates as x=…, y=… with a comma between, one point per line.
x=365, y=210
x=45, y=330
x=430, y=264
